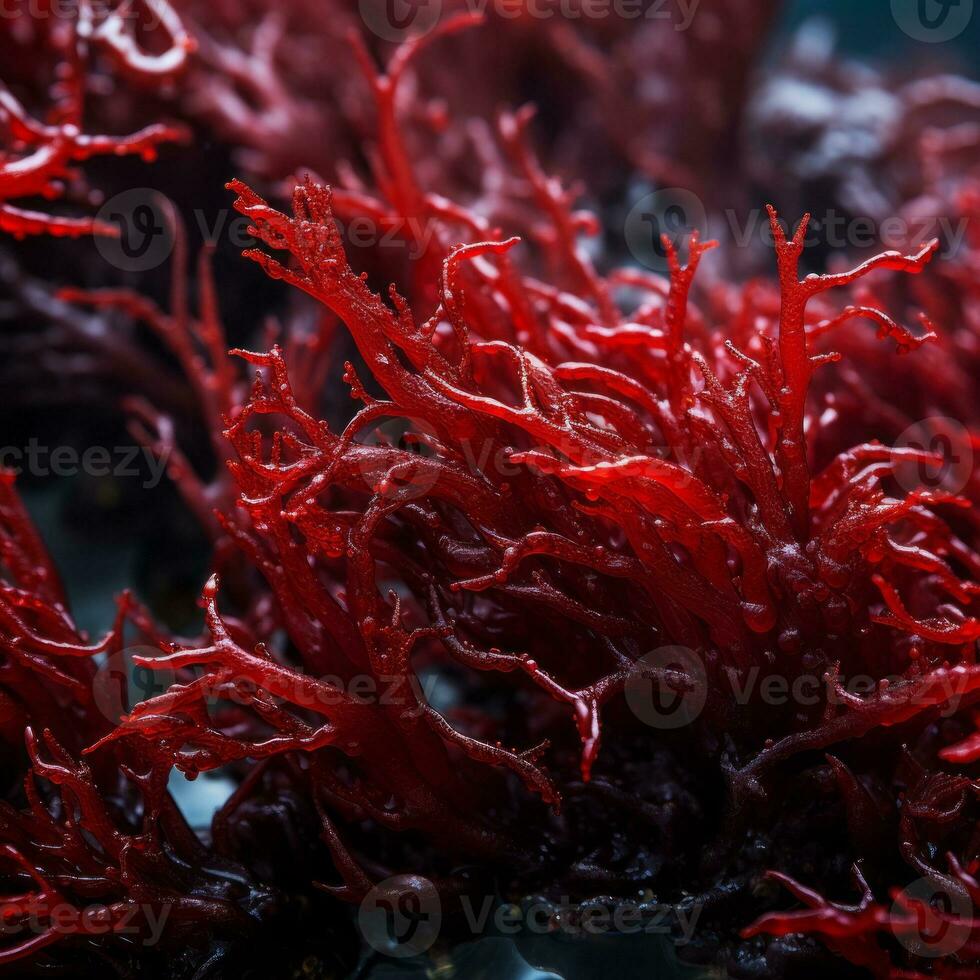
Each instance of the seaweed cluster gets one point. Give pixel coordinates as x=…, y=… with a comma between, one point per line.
x=440, y=627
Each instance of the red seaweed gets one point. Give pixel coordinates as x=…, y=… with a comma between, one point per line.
x=553, y=471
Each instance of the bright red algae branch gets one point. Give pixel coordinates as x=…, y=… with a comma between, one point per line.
x=41, y=155
x=106, y=836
